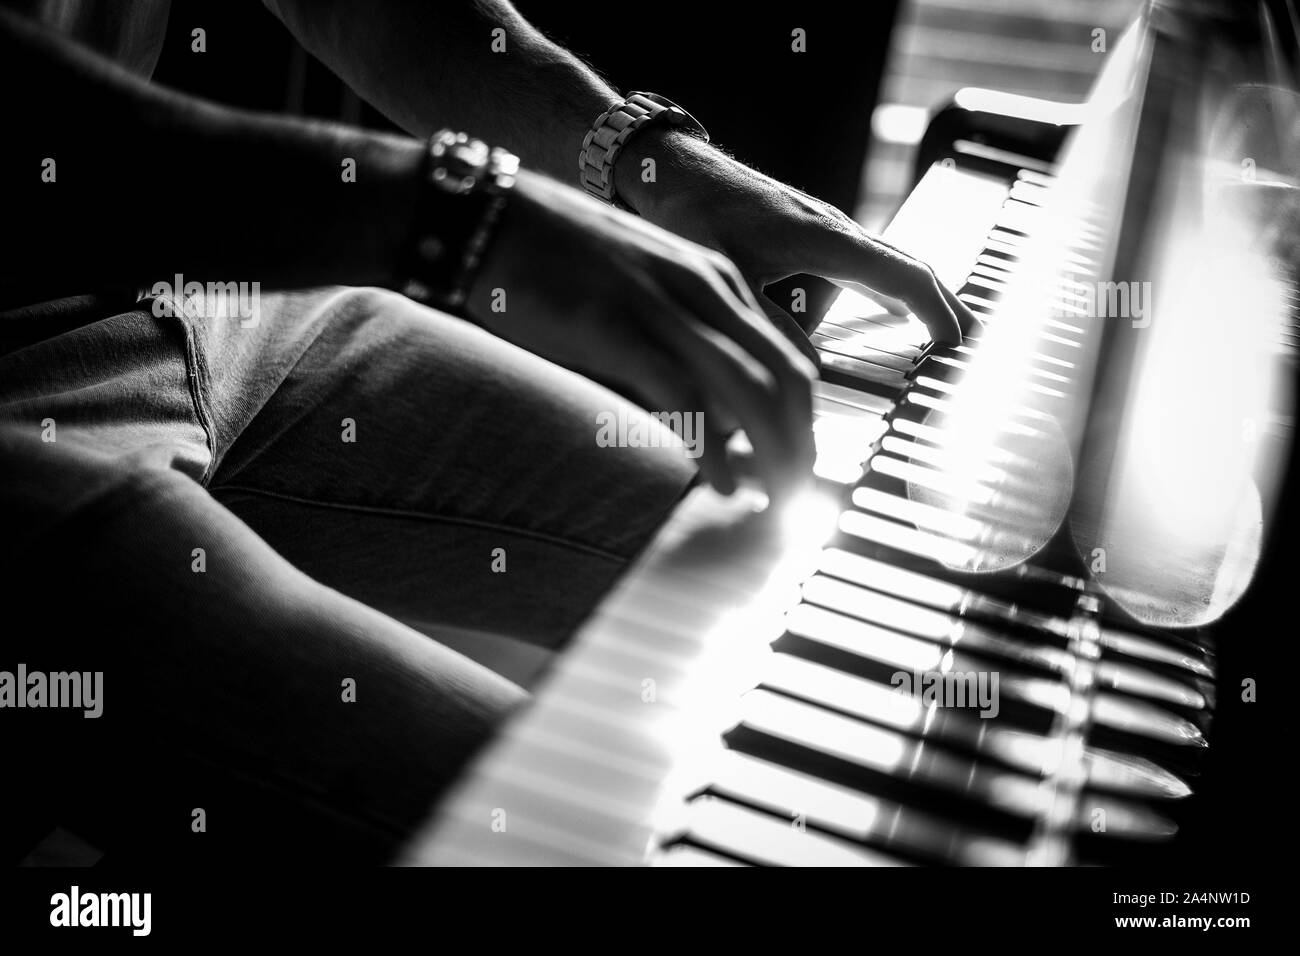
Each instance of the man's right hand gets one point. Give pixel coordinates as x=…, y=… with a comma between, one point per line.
x=604, y=292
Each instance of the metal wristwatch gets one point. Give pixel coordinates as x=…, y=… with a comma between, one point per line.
x=465, y=188
x=615, y=127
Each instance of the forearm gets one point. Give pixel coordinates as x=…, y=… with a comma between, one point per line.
x=428, y=64
x=147, y=183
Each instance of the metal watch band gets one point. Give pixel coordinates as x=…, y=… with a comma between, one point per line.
x=612, y=131
x=465, y=187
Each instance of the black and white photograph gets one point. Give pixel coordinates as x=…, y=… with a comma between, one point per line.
x=502, y=434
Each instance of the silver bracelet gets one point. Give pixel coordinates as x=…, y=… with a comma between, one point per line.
x=612, y=131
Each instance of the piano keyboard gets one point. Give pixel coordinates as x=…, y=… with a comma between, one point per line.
x=737, y=701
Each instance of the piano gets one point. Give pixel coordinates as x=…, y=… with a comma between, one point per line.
x=987, y=634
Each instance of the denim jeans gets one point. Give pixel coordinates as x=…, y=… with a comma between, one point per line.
x=238, y=522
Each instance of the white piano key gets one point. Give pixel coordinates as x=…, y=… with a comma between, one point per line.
x=931, y=625
x=892, y=580
x=883, y=380
x=768, y=840
x=683, y=856
x=863, y=639
x=861, y=349
x=888, y=753
x=848, y=396
x=904, y=342
x=792, y=794
x=828, y=687
x=891, y=534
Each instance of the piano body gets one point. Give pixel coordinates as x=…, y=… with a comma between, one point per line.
x=1056, y=520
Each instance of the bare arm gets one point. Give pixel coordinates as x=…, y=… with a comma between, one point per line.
x=427, y=64
x=430, y=63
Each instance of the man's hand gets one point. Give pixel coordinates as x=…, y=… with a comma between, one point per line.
x=771, y=231
x=604, y=292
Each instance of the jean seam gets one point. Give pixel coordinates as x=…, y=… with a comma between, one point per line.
x=196, y=376
x=544, y=536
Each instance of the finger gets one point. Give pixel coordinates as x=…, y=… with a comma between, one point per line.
x=782, y=320
x=755, y=301
x=786, y=324
x=922, y=296
x=890, y=304
x=966, y=318
x=662, y=385
x=783, y=453
x=729, y=313
x=854, y=260
x=716, y=467
x=793, y=375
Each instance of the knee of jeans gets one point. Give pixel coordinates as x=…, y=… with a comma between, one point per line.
x=354, y=305
x=373, y=318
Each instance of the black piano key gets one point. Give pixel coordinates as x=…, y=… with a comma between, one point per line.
x=941, y=595
x=760, y=838
x=1123, y=677
x=894, y=342
x=877, y=703
x=1170, y=676
x=862, y=351
x=857, y=755
x=1145, y=684
x=892, y=543
x=931, y=625
x=685, y=855
x=999, y=517
x=984, y=285
x=1122, y=820
x=966, y=602
x=878, y=654
x=1124, y=723
x=1132, y=775
x=962, y=729
x=871, y=321
x=881, y=762
x=857, y=816
x=1185, y=656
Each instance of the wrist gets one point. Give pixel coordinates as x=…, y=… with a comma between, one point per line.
x=661, y=165
x=466, y=184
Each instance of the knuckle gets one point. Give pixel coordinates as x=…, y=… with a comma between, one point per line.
x=720, y=262
x=921, y=280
